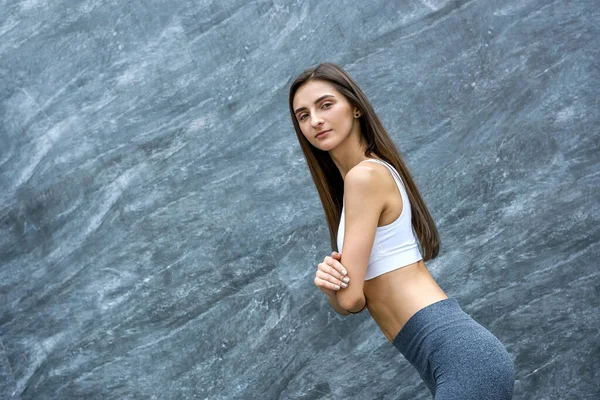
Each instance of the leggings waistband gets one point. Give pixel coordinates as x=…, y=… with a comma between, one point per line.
x=424, y=318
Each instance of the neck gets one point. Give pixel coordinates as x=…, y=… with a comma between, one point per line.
x=349, y=153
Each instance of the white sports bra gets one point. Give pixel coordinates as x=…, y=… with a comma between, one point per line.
x=395, y=245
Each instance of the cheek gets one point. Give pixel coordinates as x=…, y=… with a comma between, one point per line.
x=306, y=134
x=344, y=123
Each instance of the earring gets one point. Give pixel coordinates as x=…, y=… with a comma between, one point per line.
x=356, y=114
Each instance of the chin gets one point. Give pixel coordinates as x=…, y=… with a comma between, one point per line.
x=325, y=147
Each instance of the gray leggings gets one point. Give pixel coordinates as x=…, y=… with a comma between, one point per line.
x=455, y=356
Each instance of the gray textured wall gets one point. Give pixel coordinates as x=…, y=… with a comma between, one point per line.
x=160, y=230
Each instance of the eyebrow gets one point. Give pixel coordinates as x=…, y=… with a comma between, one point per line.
x=316, y=101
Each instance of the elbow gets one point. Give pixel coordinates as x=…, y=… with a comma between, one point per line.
x=350, y=302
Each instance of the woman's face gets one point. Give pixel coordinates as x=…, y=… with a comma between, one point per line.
x=319, y=107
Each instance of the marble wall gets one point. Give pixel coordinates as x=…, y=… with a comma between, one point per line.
x=160, y=229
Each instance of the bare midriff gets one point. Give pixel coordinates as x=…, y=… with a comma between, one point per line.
x=394, y=297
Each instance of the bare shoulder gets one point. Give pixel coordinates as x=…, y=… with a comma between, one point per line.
x=367, y=177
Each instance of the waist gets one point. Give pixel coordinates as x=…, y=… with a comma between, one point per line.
x=393, y=298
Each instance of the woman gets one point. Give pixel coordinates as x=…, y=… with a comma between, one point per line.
x=372, y=205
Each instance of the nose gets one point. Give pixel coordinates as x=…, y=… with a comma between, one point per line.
x=316, y=121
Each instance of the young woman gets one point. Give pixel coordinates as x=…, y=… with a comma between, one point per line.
x=372, y=206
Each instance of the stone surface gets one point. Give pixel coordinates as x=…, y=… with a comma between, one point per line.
x=160, y=229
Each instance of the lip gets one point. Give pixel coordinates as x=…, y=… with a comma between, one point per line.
x=321, y=133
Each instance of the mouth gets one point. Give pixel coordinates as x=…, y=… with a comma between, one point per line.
x=321, y=134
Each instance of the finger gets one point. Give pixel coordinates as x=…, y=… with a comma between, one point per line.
x=328, y=282
x=322, y=283
x=338, y=267
x=328, y=277
x=331, y=279
x=336, y=255
x=330, y=270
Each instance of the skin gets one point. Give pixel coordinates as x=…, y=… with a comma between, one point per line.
x=371, y=200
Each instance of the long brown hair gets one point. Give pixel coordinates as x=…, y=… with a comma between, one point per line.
x=326, y=175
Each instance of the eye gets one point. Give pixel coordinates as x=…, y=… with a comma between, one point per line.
x=301, y=117
x=326, y=104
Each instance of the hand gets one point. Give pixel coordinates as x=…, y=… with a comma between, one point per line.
x=331, y=275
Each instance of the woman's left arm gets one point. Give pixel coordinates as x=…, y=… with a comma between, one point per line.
x=364, y=203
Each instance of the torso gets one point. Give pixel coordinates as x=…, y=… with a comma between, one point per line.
x=394, y=297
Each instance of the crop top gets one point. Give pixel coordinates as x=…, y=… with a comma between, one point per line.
x=395, y=245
